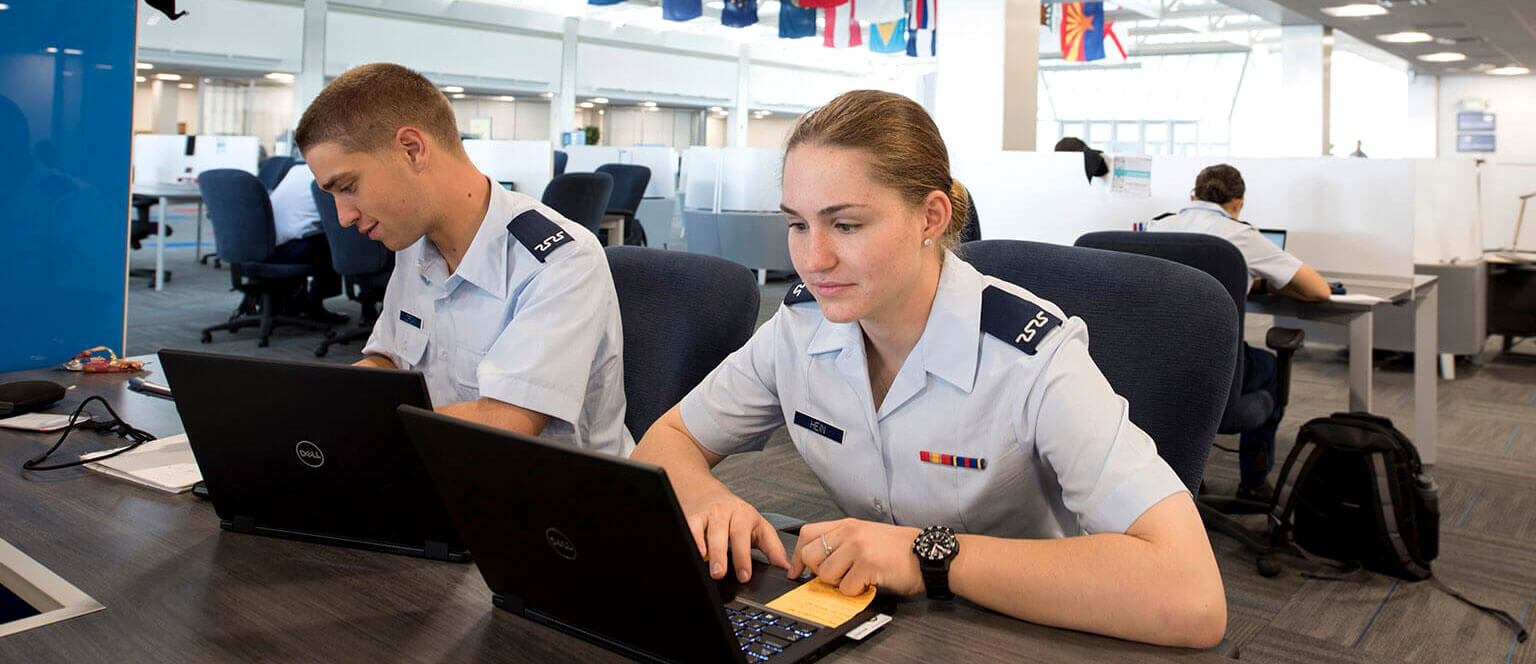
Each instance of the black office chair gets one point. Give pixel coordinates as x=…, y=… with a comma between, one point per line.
x=972, y=230
x=241, y=212
x=629, y=183
x=273, y=170
x=670, y=344
x=1244, y=411
x=1158, y=333
x=142, y=228
x=580, y=197
x=560, y=160
x=364, y=265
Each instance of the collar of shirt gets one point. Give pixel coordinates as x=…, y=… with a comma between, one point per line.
x=484, y=264
x=949, y=346
x=1207, y=206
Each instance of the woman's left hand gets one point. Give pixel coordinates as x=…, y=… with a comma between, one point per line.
x=862, y=554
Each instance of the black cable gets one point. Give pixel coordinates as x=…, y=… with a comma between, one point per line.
x=117, y=426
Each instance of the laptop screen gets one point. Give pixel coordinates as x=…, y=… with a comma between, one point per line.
x=1274, y=235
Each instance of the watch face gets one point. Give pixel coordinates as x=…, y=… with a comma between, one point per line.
x=935, y=545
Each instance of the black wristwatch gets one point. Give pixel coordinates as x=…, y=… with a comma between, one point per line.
x=935, y=547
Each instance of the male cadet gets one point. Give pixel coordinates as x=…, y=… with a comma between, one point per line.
x=505, y=306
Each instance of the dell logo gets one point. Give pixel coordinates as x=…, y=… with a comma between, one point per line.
x=309, y=454
x=562, y=545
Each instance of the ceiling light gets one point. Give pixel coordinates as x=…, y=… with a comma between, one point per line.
x=459, y=95
x=587, y=104
x=4, y=6
x=168, y=77
x=507, y=98
x=140, y=79
x=51, y=49
x=279, y=76
x=143, y=65
x=1443, y=56
x=73, y=51
x=648, y=104
x=186, y=86
x=716, y=109
x=766, y=113
x=452, y=88
x=546, y=95
x=1355, y=11
x=1512, y=70
x=599, y=100
x=1406, y=37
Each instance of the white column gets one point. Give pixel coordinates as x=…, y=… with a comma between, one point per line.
x=1021, y=74
x=164, y=94
x=311, y=78
x=1304, y=87
x=985, y=97
x=736, y=129
x=562, y=107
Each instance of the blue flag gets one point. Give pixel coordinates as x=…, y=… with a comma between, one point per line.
x=796, y=21
x=682, y=10
x=738, y=13
x=888, y=37
x=604, y=2
x=922, y=43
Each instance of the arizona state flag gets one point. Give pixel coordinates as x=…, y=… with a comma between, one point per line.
x=738, y=13
x=1082, y=31
x=890, y=37
x=796, y=21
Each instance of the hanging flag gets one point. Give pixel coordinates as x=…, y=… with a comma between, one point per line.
x=888, y=37
x=841, y=30
x=880, y=11
x=682, y=10
x=820, y=4
x=604, y=2
x=1082, y=31
x=923, y=15
x=796, y=21
x=922, y=43
x=738, y=13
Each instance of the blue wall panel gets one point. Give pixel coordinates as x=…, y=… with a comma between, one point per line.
x=66, y=119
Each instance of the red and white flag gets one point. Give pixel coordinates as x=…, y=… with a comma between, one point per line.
x=841, y=30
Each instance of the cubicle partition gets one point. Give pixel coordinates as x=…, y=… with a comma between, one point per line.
x=731, y=206
x=177, y=159
x=1502, y=183
x=528, y=165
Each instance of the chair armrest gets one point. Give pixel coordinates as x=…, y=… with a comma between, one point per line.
x=1284, y=339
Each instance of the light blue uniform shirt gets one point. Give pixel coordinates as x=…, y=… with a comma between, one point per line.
x=1264, y=259
x=531, y=323
x=1061, y=455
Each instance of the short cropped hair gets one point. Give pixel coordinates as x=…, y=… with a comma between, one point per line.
x=1219, y=184
x=363, y=109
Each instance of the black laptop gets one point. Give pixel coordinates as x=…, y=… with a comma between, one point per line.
x=597, y=546
x=311, y=451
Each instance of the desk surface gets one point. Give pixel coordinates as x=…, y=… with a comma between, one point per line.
x=167, y=190
x=1395, y=290
x=177, y=588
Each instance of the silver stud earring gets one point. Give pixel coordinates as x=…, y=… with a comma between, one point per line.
x=928, y=242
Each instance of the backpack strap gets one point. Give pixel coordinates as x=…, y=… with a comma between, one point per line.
x=1388, y=512
x=1285, y=494
x=1520, y=634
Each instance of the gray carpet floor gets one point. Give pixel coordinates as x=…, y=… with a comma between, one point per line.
x=1486, y=473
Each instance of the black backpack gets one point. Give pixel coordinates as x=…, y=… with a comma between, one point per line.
x=1354, y=491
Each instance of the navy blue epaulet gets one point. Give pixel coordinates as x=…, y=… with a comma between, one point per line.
x=1021, y=323
x=798, y=293
x=538, y=233
x=1164, y=215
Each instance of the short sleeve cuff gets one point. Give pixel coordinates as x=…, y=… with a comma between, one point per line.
x=544, y=399
x=708, y=431
x=1137, y=492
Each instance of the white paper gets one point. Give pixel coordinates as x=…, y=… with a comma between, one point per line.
x=41, y=421
x=166, y=464
x=1356, y=299
x=1131, y=174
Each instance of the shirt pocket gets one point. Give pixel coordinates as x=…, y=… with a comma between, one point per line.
x=466, y=365
x=410, y=343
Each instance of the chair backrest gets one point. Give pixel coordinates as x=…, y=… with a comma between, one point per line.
x=1157, y=331
x=972, y=230
x=352, y=253
x=560, y=158
x=241, y=212
x=580, y=197
x=671, y=343
x=273, y=170
x=1207, y=253
x=629, y=183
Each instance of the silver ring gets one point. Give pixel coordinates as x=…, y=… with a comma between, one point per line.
x=826, y=547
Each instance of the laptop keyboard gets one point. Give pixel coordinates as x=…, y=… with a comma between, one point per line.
x=763, y=634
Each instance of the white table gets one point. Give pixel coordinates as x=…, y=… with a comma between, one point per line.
x=169, y=192
x=1420, y=292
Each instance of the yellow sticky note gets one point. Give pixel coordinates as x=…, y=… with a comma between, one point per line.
x=822, y=603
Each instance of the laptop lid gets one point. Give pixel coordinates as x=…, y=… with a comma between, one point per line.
x=309, y=450
x=1274, y=235
x=587, y=542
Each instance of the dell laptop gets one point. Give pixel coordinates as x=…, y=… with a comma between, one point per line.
x=311, y=451
x=597, y=546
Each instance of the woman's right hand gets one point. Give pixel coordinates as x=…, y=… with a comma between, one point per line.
x=726, y=529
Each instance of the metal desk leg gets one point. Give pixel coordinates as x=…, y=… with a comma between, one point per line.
x=1426, y=333
x=1360, y=343
x=165, y=208
x=197, y=254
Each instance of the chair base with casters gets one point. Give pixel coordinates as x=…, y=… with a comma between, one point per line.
x=262, y=312
x=370, y=298
x=142, y=228
x=1216, y=511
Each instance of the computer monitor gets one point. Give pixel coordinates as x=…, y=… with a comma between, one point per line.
x=1274, y=235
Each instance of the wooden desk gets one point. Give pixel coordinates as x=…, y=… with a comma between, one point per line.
x=1419, y=292
x=177, y=588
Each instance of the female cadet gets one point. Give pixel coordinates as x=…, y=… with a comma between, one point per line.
x=1213, y=210
x=1000, y=467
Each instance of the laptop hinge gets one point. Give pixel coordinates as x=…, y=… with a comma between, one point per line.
x=242, y=524
x=435, y=550
x=511, y=603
